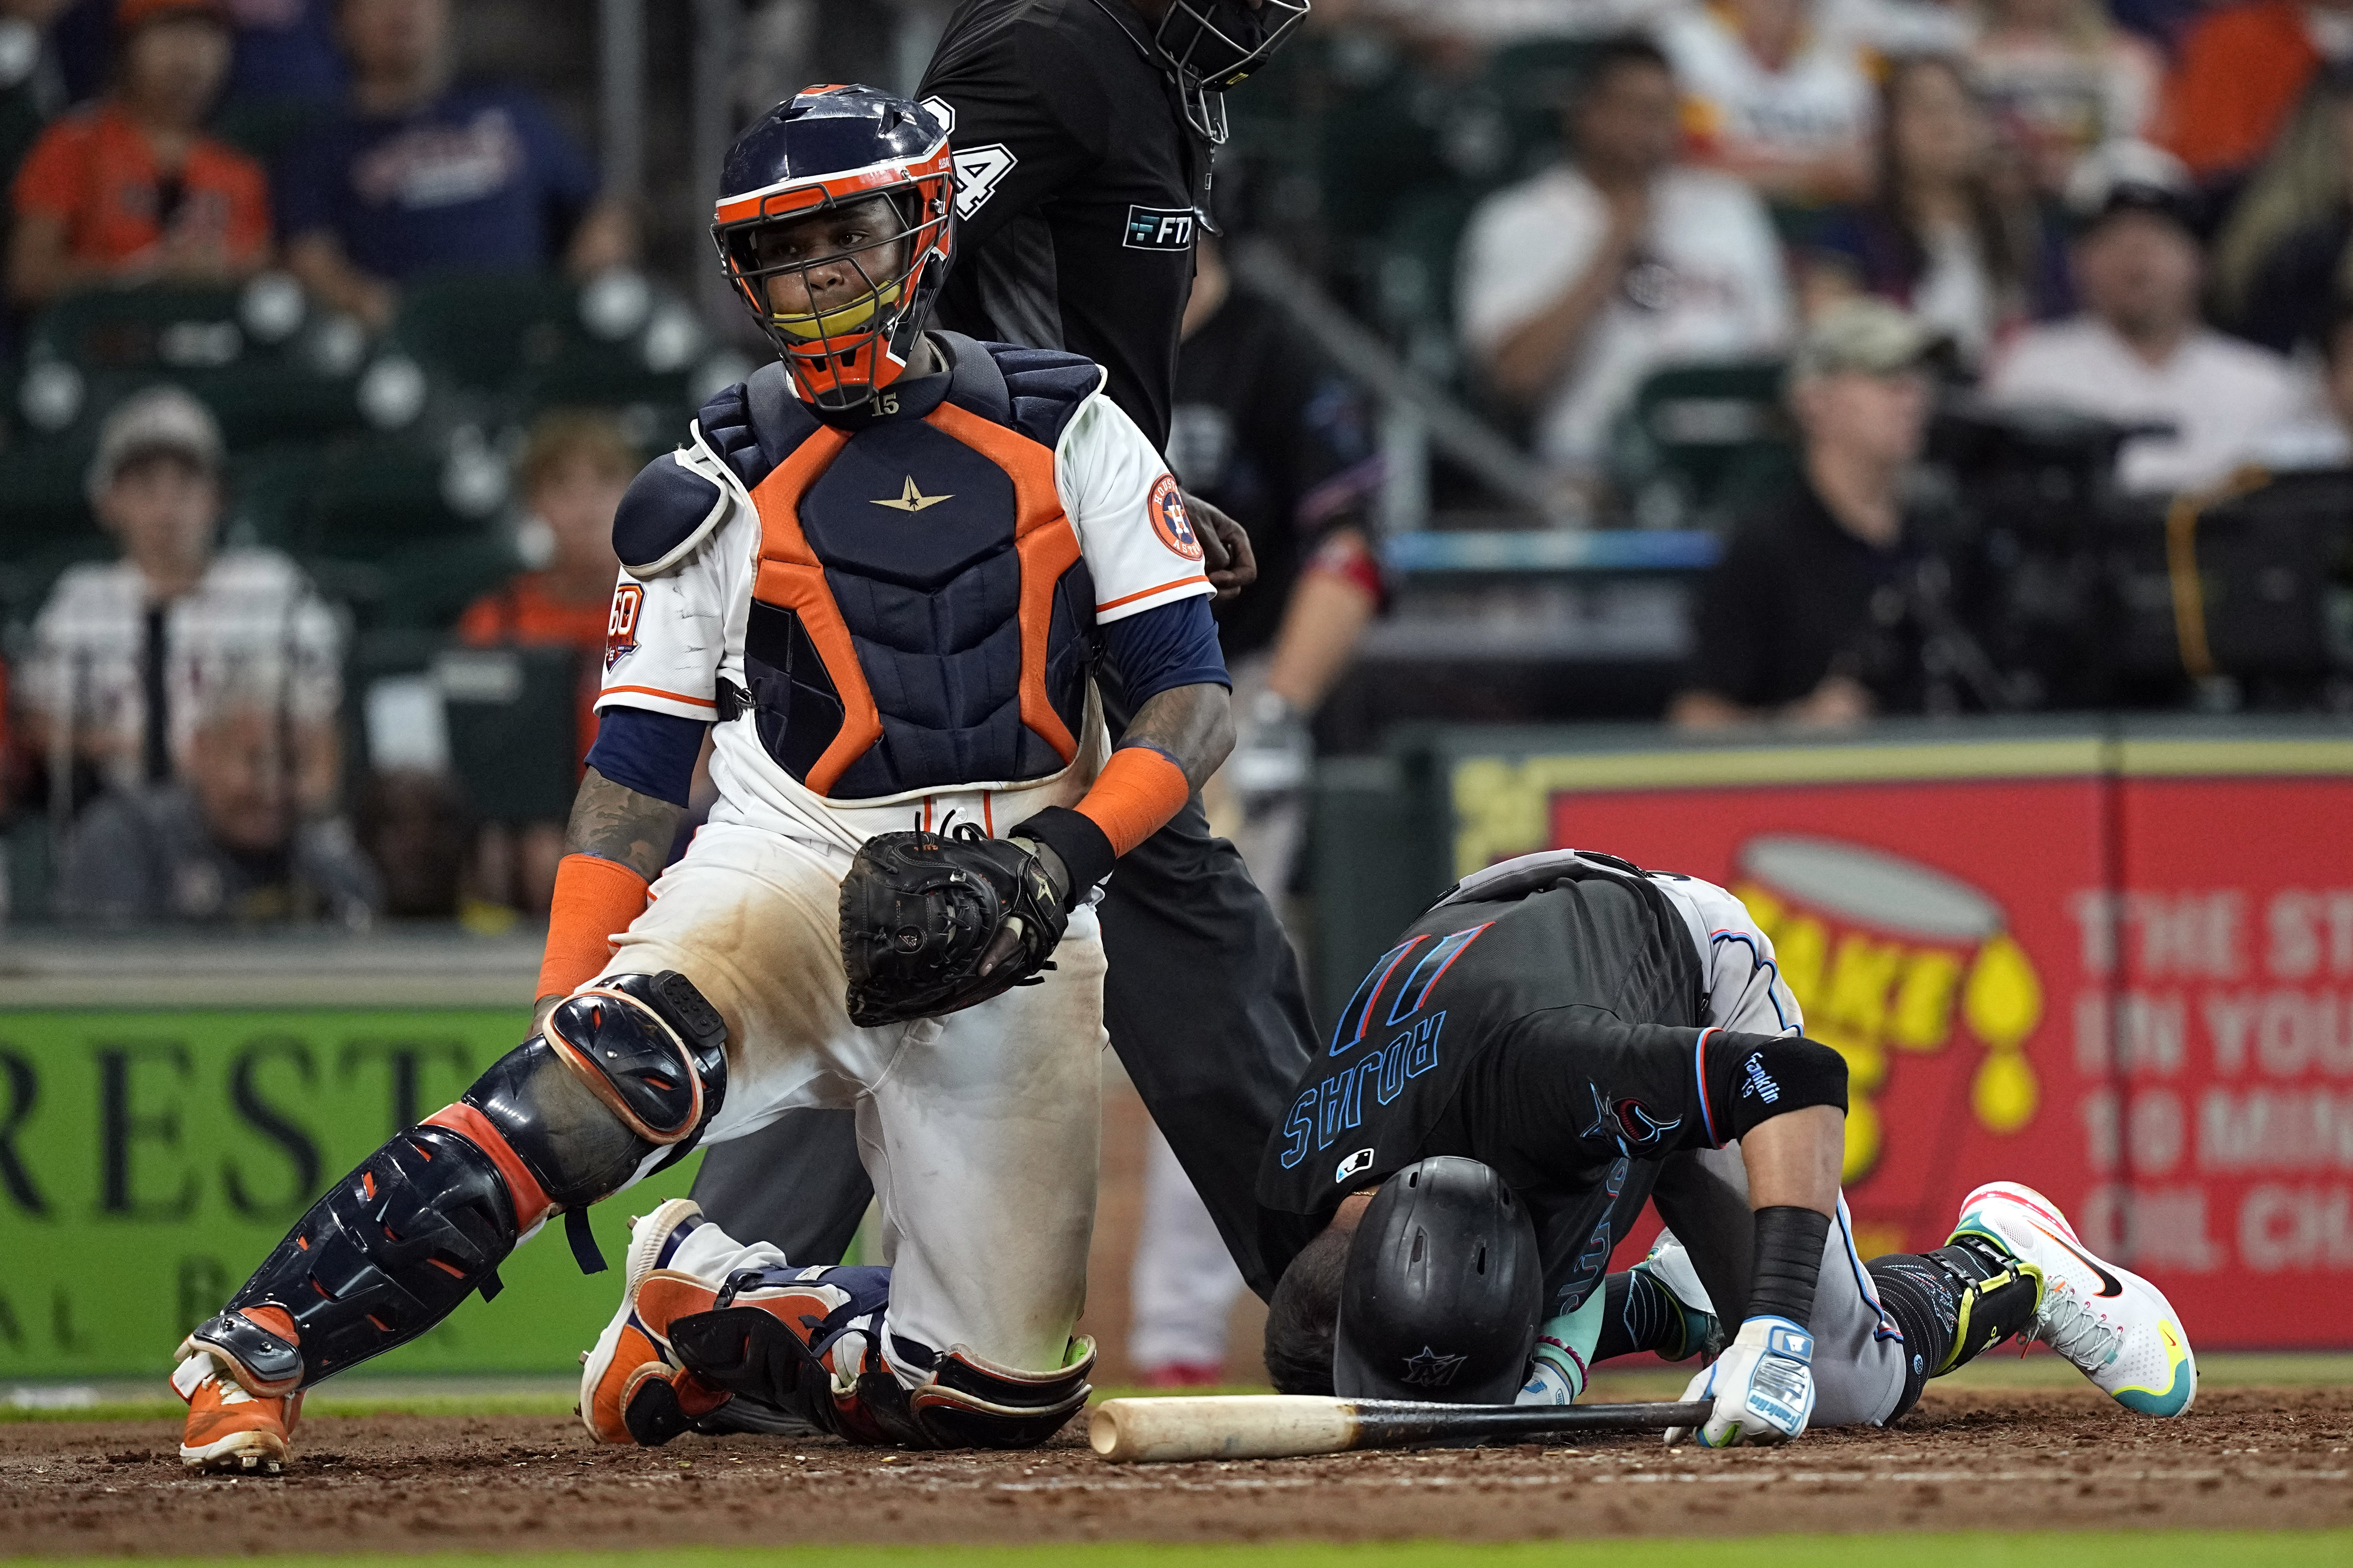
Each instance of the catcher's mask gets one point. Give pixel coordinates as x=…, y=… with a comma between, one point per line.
x=836, y=221
x=1441, y=1296
x=1213, y=46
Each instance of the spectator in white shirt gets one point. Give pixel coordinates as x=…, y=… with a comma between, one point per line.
x=126, y=652
x=1771, y=96
x=2139, y=353
x=1581, y=281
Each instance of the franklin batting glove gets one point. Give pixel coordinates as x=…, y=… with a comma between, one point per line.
x=1762, y=1387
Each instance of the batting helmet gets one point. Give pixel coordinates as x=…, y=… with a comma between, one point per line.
x=1442, y=1291
x=829, y=150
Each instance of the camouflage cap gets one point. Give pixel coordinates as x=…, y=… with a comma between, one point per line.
x=1867, y=335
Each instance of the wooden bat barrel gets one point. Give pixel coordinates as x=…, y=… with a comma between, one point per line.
x=1284, y=1426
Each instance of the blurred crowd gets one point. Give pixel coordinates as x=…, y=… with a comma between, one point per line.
x=2139, y=213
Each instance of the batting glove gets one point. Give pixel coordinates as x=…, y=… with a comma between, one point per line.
x=1762, y=1387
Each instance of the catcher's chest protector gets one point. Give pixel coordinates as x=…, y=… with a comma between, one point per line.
x=922, y=617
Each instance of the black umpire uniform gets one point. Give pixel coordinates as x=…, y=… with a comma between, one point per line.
x=1079, y=188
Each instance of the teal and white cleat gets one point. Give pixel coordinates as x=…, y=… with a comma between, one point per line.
x=1697, y=1329
x=2115, y=1327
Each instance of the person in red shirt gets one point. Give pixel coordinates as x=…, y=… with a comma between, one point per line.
x=2241, y=70
x=575, y=467
x=129, y=189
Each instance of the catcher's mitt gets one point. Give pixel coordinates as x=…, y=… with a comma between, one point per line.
x=919, y=911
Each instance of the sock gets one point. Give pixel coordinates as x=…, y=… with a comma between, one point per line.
x=1952, y=1304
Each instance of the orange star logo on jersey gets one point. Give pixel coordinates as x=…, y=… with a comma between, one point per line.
x=910, y=498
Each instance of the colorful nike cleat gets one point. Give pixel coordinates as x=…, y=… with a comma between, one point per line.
x=2115, y=1327
x=629, y=1358
x=229, y=1429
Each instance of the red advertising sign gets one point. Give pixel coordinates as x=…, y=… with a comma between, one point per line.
x=2130, y=990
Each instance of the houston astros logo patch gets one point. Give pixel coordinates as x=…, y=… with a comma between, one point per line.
x=1166, y=508
x=621, y=630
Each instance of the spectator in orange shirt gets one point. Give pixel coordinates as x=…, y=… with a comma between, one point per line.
x=575, y=467
x=2241, y=69
x=130, y=189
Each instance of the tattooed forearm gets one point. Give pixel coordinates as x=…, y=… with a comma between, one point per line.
x=1194, y=724
x=614, y=822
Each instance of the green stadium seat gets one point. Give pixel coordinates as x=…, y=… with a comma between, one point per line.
x=267, y=369
x=1701, y=441
x=45, y=524
x=517, y=343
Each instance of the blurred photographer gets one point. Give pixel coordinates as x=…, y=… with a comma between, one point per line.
x=1805, y=618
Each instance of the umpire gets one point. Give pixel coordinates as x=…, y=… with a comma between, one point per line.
x=1084, y=131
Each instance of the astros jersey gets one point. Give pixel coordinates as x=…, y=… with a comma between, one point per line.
x=896, y=620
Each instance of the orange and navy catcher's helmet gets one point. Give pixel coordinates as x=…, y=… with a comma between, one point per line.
x=828, y=148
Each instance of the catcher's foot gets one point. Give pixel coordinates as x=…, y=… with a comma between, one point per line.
x=629, y=1388
x=2116, y=1328
x=229, y=1429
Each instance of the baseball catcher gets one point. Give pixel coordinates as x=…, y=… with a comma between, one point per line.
x=878, y=576
x=1565, y=1037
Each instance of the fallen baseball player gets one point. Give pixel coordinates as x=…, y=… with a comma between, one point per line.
x=1565, y=1037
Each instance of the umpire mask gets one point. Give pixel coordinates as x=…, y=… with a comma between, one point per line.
x=1213, y=46
x=1440, y=1298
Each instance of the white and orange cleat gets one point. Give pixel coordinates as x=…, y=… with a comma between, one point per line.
x=2117, y=1328
x=628, y=1355
x=228, y=1429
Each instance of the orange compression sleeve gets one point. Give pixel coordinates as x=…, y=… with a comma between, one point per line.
x=594, y=899
x=1135, y=794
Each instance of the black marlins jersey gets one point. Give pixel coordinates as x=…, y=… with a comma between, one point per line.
x=1078, y=186
x=1554, y=1036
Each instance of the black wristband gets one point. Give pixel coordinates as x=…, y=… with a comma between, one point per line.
x=1789, y=1264
x=1085, y=848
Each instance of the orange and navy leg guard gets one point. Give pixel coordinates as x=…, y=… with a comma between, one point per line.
x=626, y=1072
x=810, y=1341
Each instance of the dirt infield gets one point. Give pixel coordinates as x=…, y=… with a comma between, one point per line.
x=1967, y=1461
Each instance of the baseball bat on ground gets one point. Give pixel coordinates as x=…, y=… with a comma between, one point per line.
x=1287, y=1425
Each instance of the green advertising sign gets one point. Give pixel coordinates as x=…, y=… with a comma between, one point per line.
x=149, y=1159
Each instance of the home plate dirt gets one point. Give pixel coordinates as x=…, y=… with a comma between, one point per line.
x=1966, y=1459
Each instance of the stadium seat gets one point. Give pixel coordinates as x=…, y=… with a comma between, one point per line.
x=45, y=524
x=1699, y=441
x=405, y=532
x=267, y=367
x=506, y=345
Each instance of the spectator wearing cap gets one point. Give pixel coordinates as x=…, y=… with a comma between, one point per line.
x=2237, y=76
x=125, y=653
x=227, y=842
x=1774, y=98
x=1806, y=617
x=1951, y=235
x=2139, y=353
x=1615, y=262
x=130, y=189
x=575, y=467
x=417, y=174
